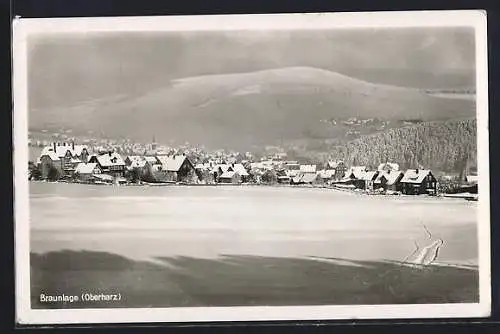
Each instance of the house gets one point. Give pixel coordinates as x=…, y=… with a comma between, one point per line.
x=389, y=181
x=282, y=177
x=388, y=166
x=292, y=168
x=231, y=177
x=178, y=168
x=219, y=169
x=418, y=181
x=307, y=168
x=50, y=164
x=309, y=178
x=135, y=160
x=354, y=176
x=63, y=157
x=339, y=167
x=471, y=179
x=326, y=175
x=368, y=178
x=86, y=172
x=471, y=185
x=111, y=163
x=304, y=178
x=242, y=172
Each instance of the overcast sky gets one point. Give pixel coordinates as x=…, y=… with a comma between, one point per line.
x=65, y=69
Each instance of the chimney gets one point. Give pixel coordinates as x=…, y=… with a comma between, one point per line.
x=109, y=153
x=73, y=145
x=416, y=171
x=54, y=146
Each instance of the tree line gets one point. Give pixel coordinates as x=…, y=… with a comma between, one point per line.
x=448, y=146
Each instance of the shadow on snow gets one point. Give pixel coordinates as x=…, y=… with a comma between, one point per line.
x=239, y=280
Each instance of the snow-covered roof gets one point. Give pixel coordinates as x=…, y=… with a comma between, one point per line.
x=110, y=159
x=415, y=175
x=133, y=158
x=334, y=164
x=86, y=168
x=308, y=168
x=172, y=163
x=151, y=159
x=357, y=171
x=223, y=167
x=388, y=166
x=240, y=169
x=369, y=175
x=228, y=174
x=61, y=150
x=326, y=173
x=390, y=177
x=308, y=177
x=471, y=178
x=138, y=163
x=51, y=154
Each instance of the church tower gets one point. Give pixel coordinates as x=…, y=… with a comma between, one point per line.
x=153, y=144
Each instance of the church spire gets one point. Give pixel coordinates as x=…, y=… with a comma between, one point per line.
x=153, y=144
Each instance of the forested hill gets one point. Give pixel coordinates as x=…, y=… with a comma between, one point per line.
x=442, y=146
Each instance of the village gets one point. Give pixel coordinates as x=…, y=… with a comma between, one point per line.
x=77, y=163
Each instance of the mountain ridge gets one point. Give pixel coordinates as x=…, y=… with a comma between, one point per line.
x=251, y=108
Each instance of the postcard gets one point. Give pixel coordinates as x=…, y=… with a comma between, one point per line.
x=320, y=166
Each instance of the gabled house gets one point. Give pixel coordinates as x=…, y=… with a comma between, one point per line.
x=389, y=181
x=307, y=169
x=231, y=177
x=309, y=178
x=339, y=167
x=178, y=168
x=354, y=176
x=471, y=179
x=418, y=181
x=305, y=178
x=326, y=175
x=471, y=185
x=388, y=166
x=50, y=161
x=368, y=178
x=135, y=161
x=282, y=176
x=242, y=172
x=63, y=157
x=111, y=163
x=86, y=172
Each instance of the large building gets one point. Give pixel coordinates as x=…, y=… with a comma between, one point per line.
x=60, y=159
x=418, y=181
x=111, y=163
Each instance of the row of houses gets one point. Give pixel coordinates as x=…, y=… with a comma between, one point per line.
x=76, y=162
x=410, y=182
x=387, y=177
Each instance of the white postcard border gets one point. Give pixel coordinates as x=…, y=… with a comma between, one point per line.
x=24, y=27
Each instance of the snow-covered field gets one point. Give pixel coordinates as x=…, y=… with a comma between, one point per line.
x=180, y=246
x=148, y=222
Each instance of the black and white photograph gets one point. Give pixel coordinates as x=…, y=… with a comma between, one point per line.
x=251, y=167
